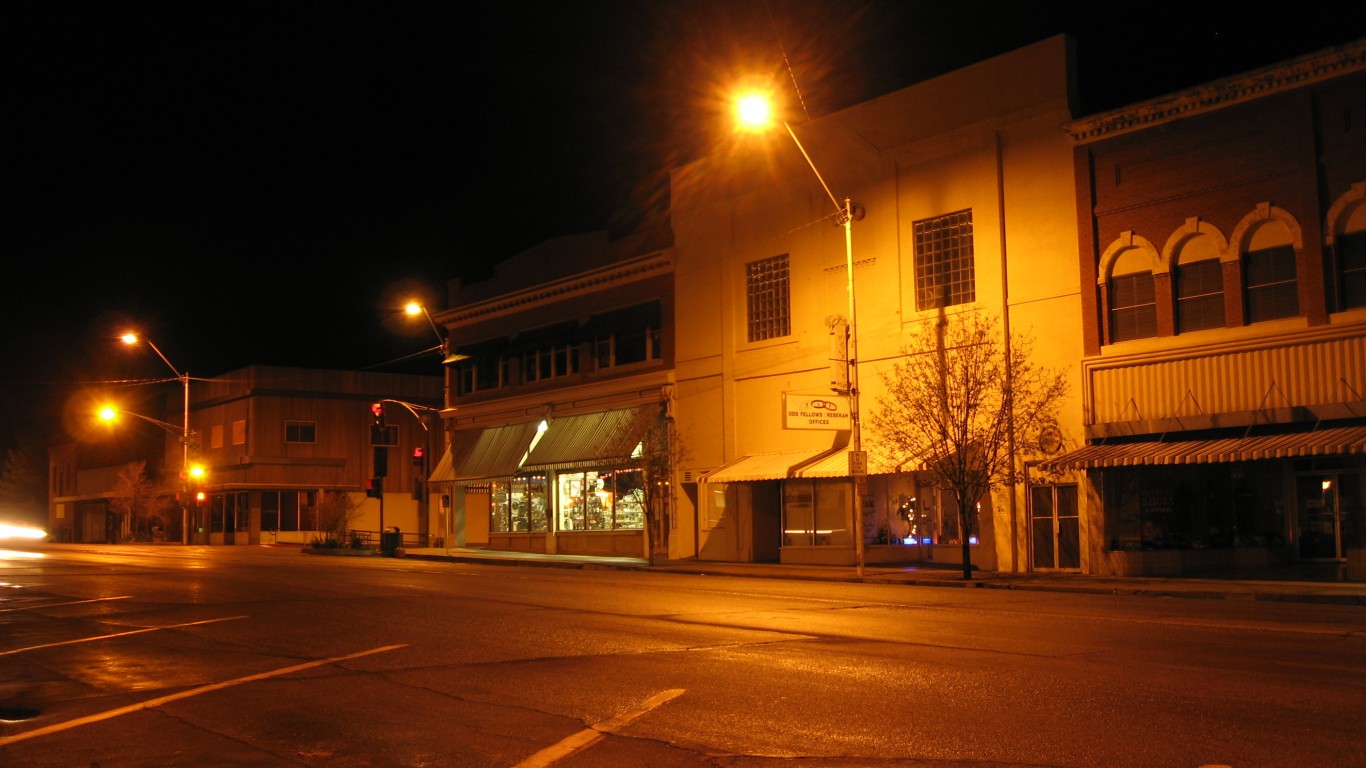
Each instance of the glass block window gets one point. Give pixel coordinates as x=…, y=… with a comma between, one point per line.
x=944, y=273
x=1270, y=287
x=1133, y=307
x=1199, y=296
x=767, y=299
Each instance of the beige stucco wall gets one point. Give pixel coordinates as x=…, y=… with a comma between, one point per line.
x=988, y=138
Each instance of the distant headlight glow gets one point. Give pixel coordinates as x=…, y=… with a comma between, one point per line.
x=12, y=531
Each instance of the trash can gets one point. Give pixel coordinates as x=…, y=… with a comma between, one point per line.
x=389, y=542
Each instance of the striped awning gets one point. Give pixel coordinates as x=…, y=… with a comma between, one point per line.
x=837, y=465
x=1322, y=442
x=444, y=471
x=760, y=466
x=492, y=452
x=591, y=439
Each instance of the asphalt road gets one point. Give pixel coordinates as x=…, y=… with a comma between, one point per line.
x=195, y=656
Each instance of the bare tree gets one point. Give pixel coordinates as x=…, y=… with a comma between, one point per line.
x=661, y=450
x=135, y=497
x=958, y=400
x=23, y=482
x=337, y=511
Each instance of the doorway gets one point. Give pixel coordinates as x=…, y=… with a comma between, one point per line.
x=1055, y=528
x=1325, y=504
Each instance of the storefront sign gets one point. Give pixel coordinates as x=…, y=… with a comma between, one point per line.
x=816, y=412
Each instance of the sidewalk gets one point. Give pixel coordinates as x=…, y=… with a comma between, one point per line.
x=1325, y=592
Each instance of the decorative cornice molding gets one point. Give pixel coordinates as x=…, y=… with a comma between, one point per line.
x=1255, y=84
x=659, y=263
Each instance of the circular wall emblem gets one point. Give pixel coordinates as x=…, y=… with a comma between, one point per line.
x=1050, y=439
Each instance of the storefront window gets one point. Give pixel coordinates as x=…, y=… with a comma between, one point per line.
x=815, y=512
x=500, y=520
x=527, y=503
x=600, y=500
x=1194, y=506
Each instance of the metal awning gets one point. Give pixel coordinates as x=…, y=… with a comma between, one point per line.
x=492, y=452
x=444, y=471
x=761, y=466
x=1322, y=442
x=591, y=439
x=837, y=465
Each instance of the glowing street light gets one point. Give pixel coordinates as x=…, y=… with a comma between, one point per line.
x=754, y=114
x=132, y=339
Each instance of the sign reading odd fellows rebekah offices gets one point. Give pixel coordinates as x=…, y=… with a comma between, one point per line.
x=816, y=412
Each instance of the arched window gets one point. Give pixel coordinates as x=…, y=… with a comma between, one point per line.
x=1347, y=238
x=1133, y=298
x=1269, y=240
x=1199, y=278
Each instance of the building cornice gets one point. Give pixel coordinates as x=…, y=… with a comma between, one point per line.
x=651, y=265
x=1239, y=89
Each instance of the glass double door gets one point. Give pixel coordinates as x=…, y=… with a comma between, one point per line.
x=1055, y=528
x=1329, y=514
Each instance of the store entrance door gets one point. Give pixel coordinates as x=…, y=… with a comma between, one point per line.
x=1319, y=520
x=230, y=518
x=1055, y=528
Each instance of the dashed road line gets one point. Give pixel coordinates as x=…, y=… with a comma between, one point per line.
x=151, y=703
x=92, y=639
x=571, y=744
x=59, y=605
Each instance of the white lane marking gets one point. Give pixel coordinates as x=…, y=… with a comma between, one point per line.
x=117, y=634
x=150, y=703
x=58, y=605
x=571, y=744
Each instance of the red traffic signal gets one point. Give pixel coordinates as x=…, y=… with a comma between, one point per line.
x=377, y=408
x=419, y=453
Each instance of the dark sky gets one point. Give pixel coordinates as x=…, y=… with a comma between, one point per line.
x=261, y=182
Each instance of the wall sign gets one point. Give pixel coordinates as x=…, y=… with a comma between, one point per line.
x=816, y=412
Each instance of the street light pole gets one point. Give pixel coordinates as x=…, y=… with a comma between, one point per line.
x=754, y=110
x=184, y=379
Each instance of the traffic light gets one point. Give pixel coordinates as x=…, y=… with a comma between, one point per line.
x=377, y=409
x=374, y=487
x=419, y=457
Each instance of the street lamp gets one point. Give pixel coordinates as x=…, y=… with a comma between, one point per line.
x=131, y=339
x=754, y=113
x=189, y=472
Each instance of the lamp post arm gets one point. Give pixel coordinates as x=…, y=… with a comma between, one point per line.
x=176, y=371
x=843, y=209
x=174, y=429
x=415, y=409
x=440, y=340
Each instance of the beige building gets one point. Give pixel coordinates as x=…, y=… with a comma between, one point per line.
x=965, y=202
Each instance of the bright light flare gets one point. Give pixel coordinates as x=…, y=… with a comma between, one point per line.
x=197, y=471
x=754, y=111
x=108, y=413
x=129, y=338
x=413, y=308
x=21, y=531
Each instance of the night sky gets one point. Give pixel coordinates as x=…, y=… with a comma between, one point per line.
x=263, y=182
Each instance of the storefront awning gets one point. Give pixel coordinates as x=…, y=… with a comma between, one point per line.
x=761, y=466
x=444, y=471
x=492, y=452
x=837, y=465
x=1323, y=442
x=591, y=439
